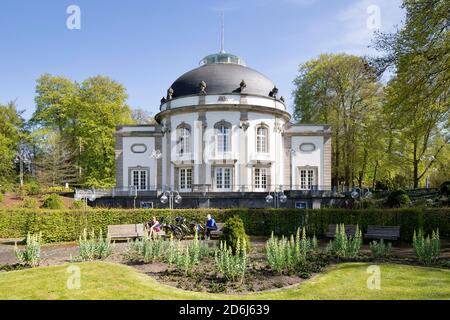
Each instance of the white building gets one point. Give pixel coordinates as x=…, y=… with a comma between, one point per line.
x=223, y=132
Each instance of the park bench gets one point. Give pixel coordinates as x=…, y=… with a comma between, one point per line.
x=129, y=231
x=350, y=230
x=217, y=233
x=383, y=232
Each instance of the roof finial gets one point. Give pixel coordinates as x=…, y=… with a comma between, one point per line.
x=222, y=37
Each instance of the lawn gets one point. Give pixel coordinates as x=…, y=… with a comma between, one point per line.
x=100, y=280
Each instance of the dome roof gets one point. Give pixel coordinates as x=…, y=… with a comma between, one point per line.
x=222, y=77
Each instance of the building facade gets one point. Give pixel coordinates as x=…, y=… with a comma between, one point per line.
x=223, y=138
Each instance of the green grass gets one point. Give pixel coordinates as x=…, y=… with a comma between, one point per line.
x=100, y=280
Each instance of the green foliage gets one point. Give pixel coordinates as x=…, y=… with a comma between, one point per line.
x=94, y=247
x=12, y=133
x=427, y=249
x=380, y=249
x=232, y=266
x=31, y=188
x=445, y=188
x=398, y=198
x=78, y=204
x=31, y=255
x=67, y=225
x=150, y=250
x=234, y=230
x=85, y=115
x=30, y=203
x=345, y=246
x=1, y=197
x=287, y=255
x=53, y=201
x=58, y=189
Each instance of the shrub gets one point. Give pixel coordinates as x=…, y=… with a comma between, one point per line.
x=93, y=247
x=78, y=204
x=67, y=224
x=232, y=266
x=31, y=188
x=58, y=189
x=344, y=246
x=445, y=188
x=31, y=255
x=1, y=197
x=380, y=249
x=397, y=198
x=285, y=255
x=234, y=231
x=53, y=201
x=427, y=249
x=30, y=203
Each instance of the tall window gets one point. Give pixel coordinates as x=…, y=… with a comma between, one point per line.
x=185, y=178
x=223, y=139
x=184, y=140
x=139, y=179
x=307, y=179
x=223, y=178
x=260, y=179
x=262, y=139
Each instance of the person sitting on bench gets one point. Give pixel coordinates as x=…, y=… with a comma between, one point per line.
x=210, y=225
x=153, y=226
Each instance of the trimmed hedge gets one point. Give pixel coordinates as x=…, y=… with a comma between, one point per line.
x=67, y=225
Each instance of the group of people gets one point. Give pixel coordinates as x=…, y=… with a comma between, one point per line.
x=154, y=227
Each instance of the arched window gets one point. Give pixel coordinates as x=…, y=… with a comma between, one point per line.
x=262, y=139
x=223, y=136
x=184, y=139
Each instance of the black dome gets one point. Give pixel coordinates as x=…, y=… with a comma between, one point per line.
x=222, y=78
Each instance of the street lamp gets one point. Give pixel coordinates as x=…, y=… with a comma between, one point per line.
x=278, y=196
x=360, y=194
x=171, y=197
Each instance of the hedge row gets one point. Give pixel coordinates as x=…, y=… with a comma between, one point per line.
x=66, y=225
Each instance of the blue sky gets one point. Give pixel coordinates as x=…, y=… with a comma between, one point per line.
x=147, y=44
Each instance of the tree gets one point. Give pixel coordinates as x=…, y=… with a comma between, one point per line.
x=11, y=134
x=417, y=96
x=342, y=90
x=84, y=115
x=140, y=116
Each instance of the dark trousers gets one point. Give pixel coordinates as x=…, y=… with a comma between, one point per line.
x=209, y=229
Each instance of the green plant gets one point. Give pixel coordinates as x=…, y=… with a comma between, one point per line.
x=234, y=231
x=92, y=247
x=31, y=188
x=380, y=249
x=53, y=201
x=58, y=189
x=184, y=260
x=30, y=203
x=398, y=198
x=31, y=254
x=1, y=197
x=445, y=188
x=67, y=224
x=78, y=204
x=285, y=255
x=345, y=246
x=150, y=250
x=232, y=266
x=427, y=249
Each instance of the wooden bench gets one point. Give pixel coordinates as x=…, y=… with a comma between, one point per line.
x=126, y=231
x=383, y=232
x=350, y=230
x=129, y=231
x=217, y=233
